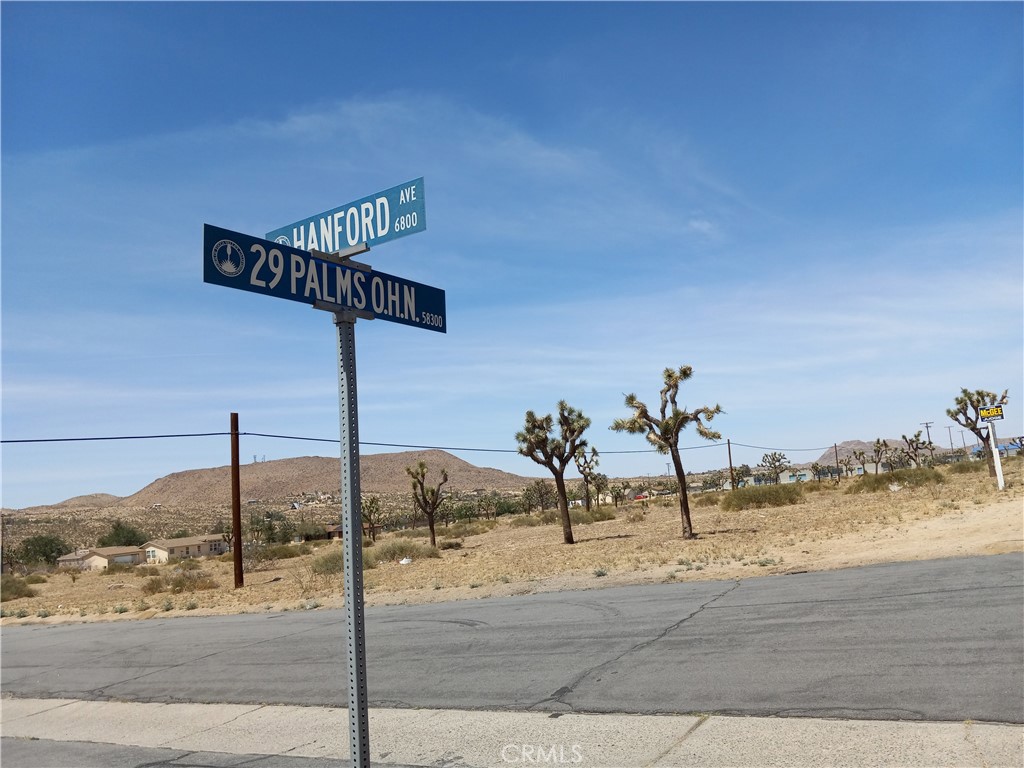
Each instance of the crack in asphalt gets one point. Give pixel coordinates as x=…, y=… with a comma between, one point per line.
x=559, y=695
x=100, y=694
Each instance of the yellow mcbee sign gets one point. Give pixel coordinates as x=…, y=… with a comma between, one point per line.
x=991, y=412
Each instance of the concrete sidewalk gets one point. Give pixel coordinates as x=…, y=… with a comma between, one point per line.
x=311, y=737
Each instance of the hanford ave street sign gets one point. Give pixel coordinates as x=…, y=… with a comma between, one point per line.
x=376, y=219
x=249, y=263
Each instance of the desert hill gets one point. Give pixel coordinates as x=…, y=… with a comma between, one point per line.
x=289, y=478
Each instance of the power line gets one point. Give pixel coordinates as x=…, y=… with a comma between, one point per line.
x=309, y=439
x=116, y=437
x=791, y=450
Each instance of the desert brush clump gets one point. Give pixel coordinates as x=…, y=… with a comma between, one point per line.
x=758, y=496
x=595, y=515
x=463, y=529
x=398, y=549
x=526, y=521
x=904, y=478
x=708, y=500
x=13, y=587
x=966, y=467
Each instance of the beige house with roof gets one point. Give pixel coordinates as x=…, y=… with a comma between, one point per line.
x=162, y=550
x=101, y=558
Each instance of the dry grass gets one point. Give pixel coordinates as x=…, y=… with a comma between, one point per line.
x=828, y=528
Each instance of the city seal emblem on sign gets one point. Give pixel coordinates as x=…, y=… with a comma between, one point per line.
x=283, y=240
x=228, y=258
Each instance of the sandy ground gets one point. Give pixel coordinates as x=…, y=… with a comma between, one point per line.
x=830, y=529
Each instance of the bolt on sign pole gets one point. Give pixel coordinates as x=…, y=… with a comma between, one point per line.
x=236, y=506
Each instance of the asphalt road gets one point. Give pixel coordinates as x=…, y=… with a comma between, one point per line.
x=933, y=640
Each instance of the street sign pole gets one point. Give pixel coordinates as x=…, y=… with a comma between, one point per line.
x=352, y=529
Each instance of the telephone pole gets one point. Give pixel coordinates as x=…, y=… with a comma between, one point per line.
x=950, y=430
x=927, y=428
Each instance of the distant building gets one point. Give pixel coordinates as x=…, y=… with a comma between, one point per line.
x=101, y=558
x=162, y=550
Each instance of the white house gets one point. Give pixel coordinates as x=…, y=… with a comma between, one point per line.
x=162, y=550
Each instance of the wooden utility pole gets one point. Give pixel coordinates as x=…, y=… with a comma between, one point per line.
x=236, y=505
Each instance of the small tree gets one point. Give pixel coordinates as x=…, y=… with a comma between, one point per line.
x=373, y=515
x=122, y=535
x=776, y=463
x=587, y=467
x=428, y=498
x=539, y=494
x=600, y=481
x=538, y=442
x=741, y=473
x=967, y=414
x=915, y=445
x=44, y=549
x=847, y=464
x=663, y=431
x=879, y=452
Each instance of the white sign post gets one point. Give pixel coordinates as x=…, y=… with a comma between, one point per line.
x=991, y=414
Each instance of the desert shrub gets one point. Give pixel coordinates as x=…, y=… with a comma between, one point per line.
x=191, y=581
x=597, y=514
x=525, y=521
x=147, y=570
x=35, y=578
x=450, y=544
x=396, y=549
x=281, y=551
x=967, y=467
x=413, y=533
x=13, y=587
x=636, y=516
x=549, y=516
x=707, y=499
x=462, y=529
x=758, y=496
x=186, y=564
x=227, y=557
x=329, y=563
x=115, y=568
x=154, y=584
x=907, y=478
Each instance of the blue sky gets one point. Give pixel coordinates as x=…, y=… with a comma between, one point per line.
x=817, y=206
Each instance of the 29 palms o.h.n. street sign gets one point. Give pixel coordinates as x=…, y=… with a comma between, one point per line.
x=237, y=260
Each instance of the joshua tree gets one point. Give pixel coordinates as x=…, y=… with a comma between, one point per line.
x=373, y=515
x=879, y=450
x=586, y=467
x=663, y=431
x=847, y=464
x=538, y=442
x=776, y=463
x=428, y=498
x=915, y=445
x=968, y=415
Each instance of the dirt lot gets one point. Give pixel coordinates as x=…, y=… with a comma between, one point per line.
x=829, y=529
